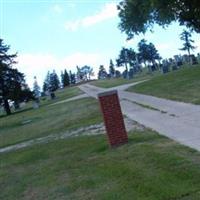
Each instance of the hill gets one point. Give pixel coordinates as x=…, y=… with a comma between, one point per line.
x=83, y=167
x=182, y=85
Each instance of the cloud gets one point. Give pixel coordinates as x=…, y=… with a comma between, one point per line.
x=38, y=64
x=71, y=5
x=107, y=12
x=57, y=9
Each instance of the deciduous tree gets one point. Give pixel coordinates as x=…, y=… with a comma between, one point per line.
x=138, y=16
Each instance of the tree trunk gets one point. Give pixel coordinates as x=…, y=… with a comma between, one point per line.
x=190, y=59
x=127, y=75
x=6, y=106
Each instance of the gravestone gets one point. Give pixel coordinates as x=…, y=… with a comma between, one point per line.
x=165, y=68
x=113, y=118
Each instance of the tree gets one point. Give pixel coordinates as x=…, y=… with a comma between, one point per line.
x=111, y=69
x=79, y=74
x=65, y=78
x=11, y=80
x=143, y=54
x=153, y=53
x=84, y=73
x=46, y=84
x=54, y=82
x=138, y=16
x=126, y=58
x=87, y=72
x=185, y=36
x=72, y=77
x=102, y=74
x=147, y=53
x=36, y=89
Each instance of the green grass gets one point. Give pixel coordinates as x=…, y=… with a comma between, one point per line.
x=68, y=92
x=48, y=120
x=108, y=83
x=61, y=94
x=182, y=85
x=149, y=167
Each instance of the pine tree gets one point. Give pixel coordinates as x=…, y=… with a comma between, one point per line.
x=79, y=74
x=11, y=80
x=46, y=84
x=111, y=69
x=65, y=80
x=102, y=74
x=62, y=78
x=185, y=36
x=36, y=89
x=72, y=78
x=54, y=82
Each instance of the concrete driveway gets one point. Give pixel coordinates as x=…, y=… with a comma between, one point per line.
x=176, y=120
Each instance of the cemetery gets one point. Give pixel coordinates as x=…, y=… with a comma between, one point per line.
x=100, y=100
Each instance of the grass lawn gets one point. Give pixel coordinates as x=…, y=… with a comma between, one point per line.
x=60, y=95
x=182, y=85
x=149, y=167
x=108, y=83
x=48, y=119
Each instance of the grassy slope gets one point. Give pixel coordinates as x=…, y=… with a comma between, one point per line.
x=182, y=85
x=60, y=95
x=48, y=119
x=119, y=81
x=150, y=167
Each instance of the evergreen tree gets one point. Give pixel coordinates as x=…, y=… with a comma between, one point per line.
x=46, y=84
x=79, y=74
x=62, y=78
x=111, y=69
x=11, y=80
x=54, y=82
x=185, y=36
x=72, y=78
x=102, y=74
x=65, y=80
x=36, y=89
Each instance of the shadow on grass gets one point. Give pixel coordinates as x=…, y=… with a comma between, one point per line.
x=16, y=112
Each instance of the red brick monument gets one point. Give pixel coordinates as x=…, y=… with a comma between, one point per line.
x=113, y=118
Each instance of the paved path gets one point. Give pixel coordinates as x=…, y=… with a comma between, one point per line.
x=176, y=120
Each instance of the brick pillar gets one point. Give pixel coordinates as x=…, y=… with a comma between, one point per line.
x=113, y=118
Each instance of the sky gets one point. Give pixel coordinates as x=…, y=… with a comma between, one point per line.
x=61, y=34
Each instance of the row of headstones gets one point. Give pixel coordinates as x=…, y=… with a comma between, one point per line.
x=177, y=62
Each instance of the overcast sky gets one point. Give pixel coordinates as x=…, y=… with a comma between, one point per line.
x=63, y=34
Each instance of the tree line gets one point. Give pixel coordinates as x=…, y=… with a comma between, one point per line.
x=146, y=55
x=136, y=16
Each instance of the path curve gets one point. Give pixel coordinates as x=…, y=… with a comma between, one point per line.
x=176, y=120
